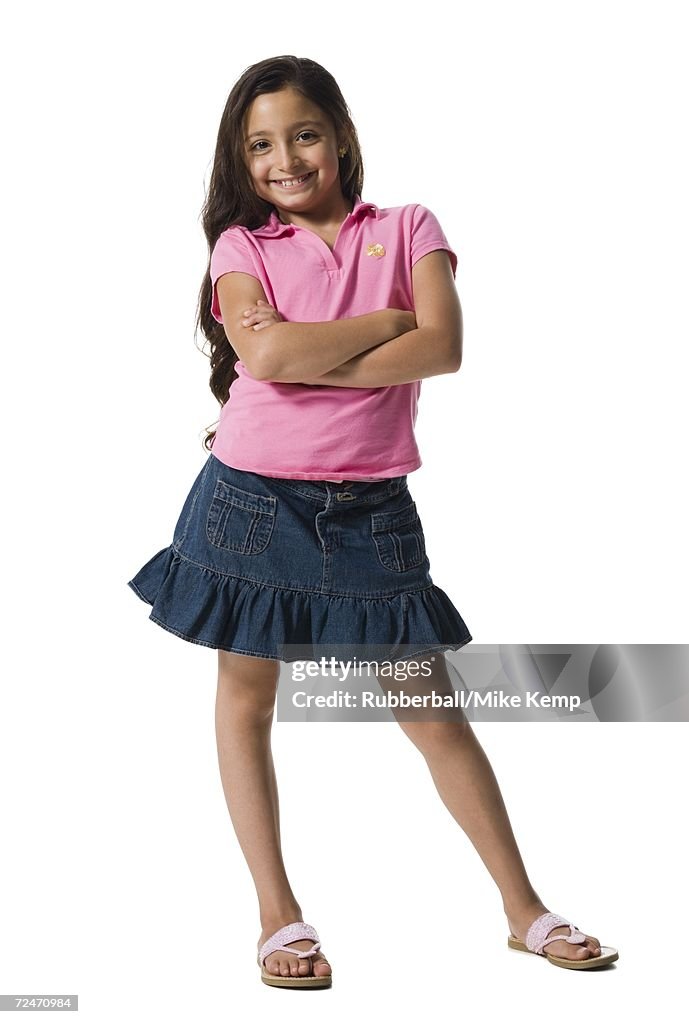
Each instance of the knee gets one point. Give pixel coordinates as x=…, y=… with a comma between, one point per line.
x=247, y=686
x=432, y=737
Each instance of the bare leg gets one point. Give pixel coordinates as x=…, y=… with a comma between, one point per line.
x=244, y=708
x=469, y=789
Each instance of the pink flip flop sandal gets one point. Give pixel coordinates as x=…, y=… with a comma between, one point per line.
x=537, y=938
x=292, y=933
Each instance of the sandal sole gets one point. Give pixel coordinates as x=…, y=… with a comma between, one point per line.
x=607, y=956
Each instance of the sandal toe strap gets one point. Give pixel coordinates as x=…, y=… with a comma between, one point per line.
x=290, y=933
x=537, y=935
x=301, y=953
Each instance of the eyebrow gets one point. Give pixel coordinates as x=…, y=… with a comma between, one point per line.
x=299, y=124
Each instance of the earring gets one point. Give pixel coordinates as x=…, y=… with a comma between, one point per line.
x=341, y=151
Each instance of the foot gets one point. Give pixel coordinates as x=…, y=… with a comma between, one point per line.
x=520, y=922
x=286, y=964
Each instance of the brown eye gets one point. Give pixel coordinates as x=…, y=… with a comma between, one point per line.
x=263, y=142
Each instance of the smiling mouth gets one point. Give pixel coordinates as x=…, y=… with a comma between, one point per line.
x=287, y=183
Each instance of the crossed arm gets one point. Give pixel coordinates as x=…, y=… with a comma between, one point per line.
x=425, y=343
x=415, y=355
x=433, y=348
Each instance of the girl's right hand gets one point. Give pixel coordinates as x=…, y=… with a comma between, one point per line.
x=405, y=320
x=261, y=315
x=409, y=321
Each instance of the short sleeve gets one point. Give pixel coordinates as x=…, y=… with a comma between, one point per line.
x=230, y=252
x=427, y=235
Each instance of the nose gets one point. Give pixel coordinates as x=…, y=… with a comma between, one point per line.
x=286, y=159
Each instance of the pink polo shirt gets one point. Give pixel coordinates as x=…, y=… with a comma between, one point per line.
x=302, y=431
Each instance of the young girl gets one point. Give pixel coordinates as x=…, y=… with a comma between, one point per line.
x=323, y=314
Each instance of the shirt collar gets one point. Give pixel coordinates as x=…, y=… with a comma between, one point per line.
x=274, y=227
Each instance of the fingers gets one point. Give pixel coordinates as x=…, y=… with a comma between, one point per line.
x=261, y=309
x=260, y=316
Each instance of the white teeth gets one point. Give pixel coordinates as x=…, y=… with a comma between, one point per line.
x=288, y=182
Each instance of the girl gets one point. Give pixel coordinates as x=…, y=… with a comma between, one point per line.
x=323, y=314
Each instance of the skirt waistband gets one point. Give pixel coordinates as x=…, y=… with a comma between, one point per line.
x=325, y=492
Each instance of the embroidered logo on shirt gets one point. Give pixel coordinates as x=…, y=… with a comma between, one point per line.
x=376, y=249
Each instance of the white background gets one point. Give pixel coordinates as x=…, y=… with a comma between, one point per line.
x=548, y=140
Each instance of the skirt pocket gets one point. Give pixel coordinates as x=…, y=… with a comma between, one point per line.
x=239, y=520
x=398, y=538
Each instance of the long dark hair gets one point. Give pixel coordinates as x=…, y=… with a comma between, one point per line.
x=231, y=198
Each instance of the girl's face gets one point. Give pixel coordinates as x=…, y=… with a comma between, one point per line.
x=287, y=137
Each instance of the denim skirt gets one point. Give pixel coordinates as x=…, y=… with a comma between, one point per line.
x=299, y=569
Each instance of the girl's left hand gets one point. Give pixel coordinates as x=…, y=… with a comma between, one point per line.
x=261, y=315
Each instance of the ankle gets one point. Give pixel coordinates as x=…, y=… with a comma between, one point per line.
x=528, y=903
x=277, y=917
